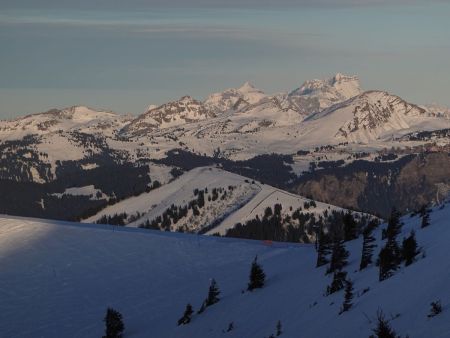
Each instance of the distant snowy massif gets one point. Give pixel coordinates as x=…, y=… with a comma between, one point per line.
x=329, y=140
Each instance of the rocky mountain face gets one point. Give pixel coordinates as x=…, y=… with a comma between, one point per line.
x=437, y=110
x=407, y=183
x=370, y=115
x=316, y=95
x=232, y=99
x=172, y=114
x=76, y=118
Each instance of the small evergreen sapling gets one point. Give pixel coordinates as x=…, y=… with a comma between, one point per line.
x=436, y=308
x=279, y=328
x=186, y=319
x=348, y=297
x=114, y=326
x=213, y=296
x=425, y=219
x=213, y=293
x=409, y=249
x=257, y=276
x=337, y=283
x=383, y=329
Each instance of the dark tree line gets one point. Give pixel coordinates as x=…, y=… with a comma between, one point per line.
x=116, y=219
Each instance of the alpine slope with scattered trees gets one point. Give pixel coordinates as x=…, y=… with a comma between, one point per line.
x=385, y=280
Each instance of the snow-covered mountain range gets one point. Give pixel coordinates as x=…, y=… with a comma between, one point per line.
x=245, y=121
x=274, y=139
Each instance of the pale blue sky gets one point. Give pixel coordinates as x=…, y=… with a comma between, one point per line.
x=123, y=58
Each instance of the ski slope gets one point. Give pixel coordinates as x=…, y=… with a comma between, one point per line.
x=247, y=200
x=58, y=279
x=267, y=198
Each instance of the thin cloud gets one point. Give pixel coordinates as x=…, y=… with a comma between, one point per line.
x=151, y=4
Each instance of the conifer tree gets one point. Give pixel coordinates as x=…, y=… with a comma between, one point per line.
x=386, y=263
x=279, y=329
x=383, y=329
x=213, y=294
x=409, y=249
x=350, y=227
x=390, y=256
x=212, y=298
x=257, y=276
x=423, y=210
x=348, y=297
x=339, y=255
x=436, y=308
x=337, y=283
x=114, y=326
x=323, y=249
x=186, y=319
x=368, y=245
x=394, y=224
x=425, y=219
x=202, y=308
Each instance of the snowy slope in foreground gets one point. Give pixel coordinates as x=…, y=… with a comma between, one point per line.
x=58, y=279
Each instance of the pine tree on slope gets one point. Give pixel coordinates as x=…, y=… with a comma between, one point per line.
x=212, y=298
x=350, y=227
x=425, y=220
x=338, y=282
x=323, y=249
x=186, y=319
x=279, y=329
x=383, y=329
x=339, y=255
x=368, y=245
x=257, y=276
x=213, y=294
x=409, y=249
x=114, y=324
x=390, y=255
x=394, y=224
x=348, y=297
x=386, y=262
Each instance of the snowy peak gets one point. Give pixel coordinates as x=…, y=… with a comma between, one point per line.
x=369, y=116
x=82, y=113
x=234, y=99
x=437, y=110
x=316, y=95
x=341, y=85
x=80, y=118
x=172, y=114
x=347, y=86
x=246, y=87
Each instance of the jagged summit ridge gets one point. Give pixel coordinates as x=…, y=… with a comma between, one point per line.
x=74, y=118
x=233, y=99
x=339, y=86
x=316, y=95
x=171, y=114
x=369, y=116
